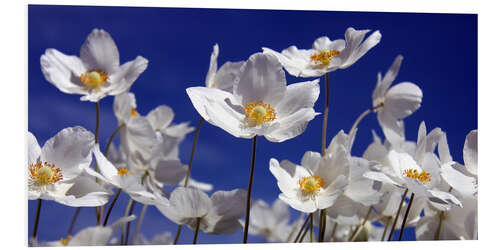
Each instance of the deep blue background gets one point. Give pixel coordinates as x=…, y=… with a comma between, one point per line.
x=440, y=56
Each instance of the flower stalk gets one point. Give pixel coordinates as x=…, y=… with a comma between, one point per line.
x=397, y=215
x=406, y=216
x=250, y=180
x=197, y=229
x=37, y=218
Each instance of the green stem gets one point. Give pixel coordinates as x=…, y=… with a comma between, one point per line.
x=37, y=218
x=139, y=222
x=386, y=227
x=177, y=234
x=111, y=207
x=322, y=225
x=128, y=223
x=397, y=215
x=122, y=238
x=307, y=230
x=197, y=229
x=302, y=228
x=360, y=117
x=332, y=236
x=325, y=115
x=73, y=221
x=311, y=230
x=406, y=216
x=250, y=180
x=294, y=228
x=361, y=225
x=97, y=122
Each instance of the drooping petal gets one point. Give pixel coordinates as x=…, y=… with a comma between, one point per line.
x=228, y=75
x=403, y=99
x=34, y=149
x=100, y=52
x=63, y=71
x=138, y=137
x=306, y=206
x=123, y=105
x=85, y=192
x=170, y=172
x=383, y=84
x=69, y=150
x=229, y=204
x=161, y=117
x=190, y=202
x=285, y=181
x=392, y=128
x=212, y=69
x=470, y=152
x=125, y=76
x=262, y=79
x=355, y=51
x=298, y=96
x=106, y=168
x=444, y=150
x=294, y=60
x=291, y=126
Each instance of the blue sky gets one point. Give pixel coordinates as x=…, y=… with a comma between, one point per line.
x=440, y=56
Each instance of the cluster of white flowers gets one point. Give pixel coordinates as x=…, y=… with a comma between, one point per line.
x=346, y=197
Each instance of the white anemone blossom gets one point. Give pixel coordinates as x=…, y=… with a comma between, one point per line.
x=59, y=170
x=318, y=181
x=395, y=103
x=222, y=78
x=326, y=55
x=218, y=214
x=96, y=73
x=261, y=102
x=271, y=222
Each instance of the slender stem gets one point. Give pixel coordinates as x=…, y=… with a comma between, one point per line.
x=406, y=216
x=97, y=122
x=122, y=238
x=325, y=116
x=397, y=215
x=190, y=166
x=111, y=207
x=294, y=228
x=37, y=218
x=250, y=180
x=360, y=117
x=302, y=228
x=361, y=225
x=139, y=222
x=332, y=236
x=311, y=229
x=108, y=144
x=128, y=223
x=386, y=227
x=73, y=221
x=307, y=230
x=177, y=234
x=322, y=225
x=197, y=229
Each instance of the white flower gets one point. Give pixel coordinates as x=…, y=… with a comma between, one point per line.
x=164, y=238
x=317, y=182
x=59, y=170
x=223, y=78
x=96, y=73
x=218, y=214
x=395, y=103
x=325, y=55
x=270, y=222
x=261, y=102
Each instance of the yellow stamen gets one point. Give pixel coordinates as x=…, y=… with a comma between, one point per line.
x=423, y=177
x=211, y=85
x=134, y=113
x=44, y=173
x=323, y=57
x=65, y=241
x=124, y=171
x=257, y=113
x=311, y=184
x=93, y=78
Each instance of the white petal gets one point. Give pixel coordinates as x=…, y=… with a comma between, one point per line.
x=291, y=126
x=123, y=105
x=470, y=152
x=199, y=185
x=311, y=160
x=324, y=43
x=100, y=52
x=69, y=150
x=444, y=150
x=179, y=130
x=63, y=71
x=34, y=149
x=353, y=50
x=285, y=182
x=190, y=202
x=125, y=76
x=298, y=96
x=228, y=76
x=214, y=106
x=229, y=204
x=138, y=136
x=209, y=79
x=105, y=167
x=92, y=236
x=161, y=117
x=334, y=165
x=392, y=128
x=294, y=60
x=403, y=99
x=280, y=211
x=170, y=172
x=383, y=84
x=446, y=197
x=379, y=176
x=262, y=79
x=85, y=192
x=307, y=206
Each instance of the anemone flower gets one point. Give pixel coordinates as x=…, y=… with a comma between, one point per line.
x=96, y=73
x=326, y=55
x=222, y=78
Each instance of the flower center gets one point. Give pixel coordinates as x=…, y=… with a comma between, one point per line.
x=257, y=113
x=311, y=184
x=44, y=173
x=65, y=241
x=93, y=78
x=423, y=177
x=323, y=57
x=124, y=171
x=133, y=113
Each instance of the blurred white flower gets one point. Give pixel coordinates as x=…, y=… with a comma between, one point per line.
x=164, y=238
x=325, y=55
x=225, y=77
x=96, y=73
x=59, y=170
x=395, y=103
x=218, y=214
x=261, y=102
x=270, y=222
x=318, y=181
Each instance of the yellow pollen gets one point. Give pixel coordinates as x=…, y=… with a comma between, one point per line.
x=65, y=241
x=93, y=78
x=44, y=173
x=133, y=113
x=311, y=184
x=323, y=57
x=124, y=171
x=257, y=113
x=212, y=85
x=423, y=177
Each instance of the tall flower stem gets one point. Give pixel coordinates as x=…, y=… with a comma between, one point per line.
x=139, y=222
x=322, y=225
x=111, y=207
x=73, y=221
x=197, y=229
x=311, y=224
x=361, y=225
x=37, y=218
x=307, y=230
x=360, y=117
x=397, y=215
x=302, y=228
x=406, y=216
x=250, y=180
x=389, y=219
x=97, y=111
x=325, y=115
x=332, y=236
x=128, y=223
x=127, y=211
x=188, y=173
x=294, y=228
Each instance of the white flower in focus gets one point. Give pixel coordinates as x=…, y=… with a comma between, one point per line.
x=261, y=102
x=325, y=55
x=395, y=103
x=59, y=170
x=218, y=214
x=222, y=78
x=96, y=73
x=317, y=182
x=270, y=222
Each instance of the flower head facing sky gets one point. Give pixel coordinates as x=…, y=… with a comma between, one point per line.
x=96, y=73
